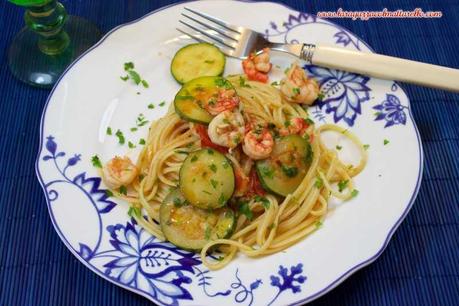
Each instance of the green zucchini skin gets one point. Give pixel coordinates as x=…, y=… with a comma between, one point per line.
x=197, y=60
x=207, y=179
x=289, y=162
x=190, y=100
x=191, y=228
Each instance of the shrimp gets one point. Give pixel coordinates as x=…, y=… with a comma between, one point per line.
x=296, y=87
x=119, y=172
x=258, y=144
x=227, y=99
x=227, y=129
x=294, y=126
x=256, y=67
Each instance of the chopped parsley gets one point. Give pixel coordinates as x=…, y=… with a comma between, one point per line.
x=207, y=232
x=194, y=158
x=151, y=106
x=141, y=121
x=108, y=193
x=221, y=82
x=264, y=201
x=268, y=172
x=221, y=199
x=184, y=97
x=128, y=66
x=296, y=91
x=209, y=61
x=386, y=141
x=142, y=141
x=339, y=148
x=319, y=224
x=366, y=146
x=319, y=182
x=342, y=185
x=320, y=96
x=225, y=164
x=207, y=192
x=275, y=83
x=120, y=135
x=289, y=171
x=213, y=167
x=133, y=129
x=210, y=151
x=96, y=161
x=134, y=76
x=354, y=193
x=162, y=103
x=131, y=145
x=178, y=203
x=123, y=190
x=245, y=210
x=109, y=131
x=214, y=183
x=242, y=83
x=134, y=211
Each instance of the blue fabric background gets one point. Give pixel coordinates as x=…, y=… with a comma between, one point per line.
x=421, y=263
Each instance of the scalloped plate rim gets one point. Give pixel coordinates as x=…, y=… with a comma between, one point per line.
x=308, y=299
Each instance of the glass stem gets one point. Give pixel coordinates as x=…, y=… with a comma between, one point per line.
x=47, y=21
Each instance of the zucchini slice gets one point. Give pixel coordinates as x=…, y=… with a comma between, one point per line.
x=289, y=162
x=197, y=60
x=189, y=227
x=207, y=179
x=189, y=102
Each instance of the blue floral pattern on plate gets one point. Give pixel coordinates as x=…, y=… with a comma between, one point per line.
x=391, y=111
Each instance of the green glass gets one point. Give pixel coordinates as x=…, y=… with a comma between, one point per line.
x=49, y=42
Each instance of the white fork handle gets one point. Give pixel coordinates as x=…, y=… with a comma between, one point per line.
x=386, y=67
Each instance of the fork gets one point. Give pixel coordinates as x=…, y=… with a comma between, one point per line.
x=240, y=42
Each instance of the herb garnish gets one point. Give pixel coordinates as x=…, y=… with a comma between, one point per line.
x=109, y=131
x=108, y=193
x=133, y=75
x=296, y=91
x=120, y=135
x=289, y=171
x=207, y=232
x=194, y=158
x=131, y=145
x=267, y=171
x=213, y=167
x=319, y=182
x=366, y=146
x=354, y=193
x=264, y=201
x=96, y=161
x=134, y=211
x=342, y=185
x=275, y=83
x=242, y=83
x=320, y=96
x=339, y=148
x=151, y=106
x=162, y=103
x=221, y=199
x=141, y=141
x=221, y=82
x=123, y=190
x=386, y=141
x=214, y=183
x=244, y=209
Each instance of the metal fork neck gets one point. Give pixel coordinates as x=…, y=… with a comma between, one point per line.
x=303, y=51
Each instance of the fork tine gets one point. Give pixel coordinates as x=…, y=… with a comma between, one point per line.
x=205, y=40
x=211, y=36
x=225, y=33
x=215, y=20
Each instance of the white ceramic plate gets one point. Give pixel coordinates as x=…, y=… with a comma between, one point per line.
x=90, y=97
